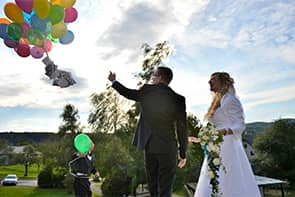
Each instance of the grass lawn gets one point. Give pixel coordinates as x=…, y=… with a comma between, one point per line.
x=274, y=192
x=19, y=170
x=12, y=191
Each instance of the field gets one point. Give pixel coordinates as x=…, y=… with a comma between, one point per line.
x=19, y=170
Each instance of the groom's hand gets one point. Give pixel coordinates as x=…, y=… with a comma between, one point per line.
x=112, y=76
x=181, y=162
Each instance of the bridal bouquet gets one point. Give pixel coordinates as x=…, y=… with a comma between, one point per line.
x=210, y=140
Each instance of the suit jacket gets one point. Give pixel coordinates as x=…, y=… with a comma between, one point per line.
x=163, y=114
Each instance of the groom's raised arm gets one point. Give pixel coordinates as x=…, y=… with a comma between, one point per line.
x=121, y=89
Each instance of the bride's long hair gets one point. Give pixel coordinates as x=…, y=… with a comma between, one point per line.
x=227, y=85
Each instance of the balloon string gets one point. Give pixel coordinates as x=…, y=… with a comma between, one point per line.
x=45, y=48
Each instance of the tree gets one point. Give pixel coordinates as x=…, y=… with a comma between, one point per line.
x=58, y=153
x=107, y=114
x=29, y=151
x=275, y=156
x=70, y=120
x=3, y=144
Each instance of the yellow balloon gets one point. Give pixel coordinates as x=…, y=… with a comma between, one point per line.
x=58, y=30
x=13, y=12
x=67, y=3
x=56, y=2
x=42, y=8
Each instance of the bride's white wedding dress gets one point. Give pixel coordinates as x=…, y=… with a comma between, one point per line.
x=238, y=180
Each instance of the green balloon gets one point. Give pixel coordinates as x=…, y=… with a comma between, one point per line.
x=54, y=40
x=36, y=36
x=82, y=143
x=15, y=31
x=56, y=14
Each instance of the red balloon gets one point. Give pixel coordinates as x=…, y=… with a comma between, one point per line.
x=71, y=15
x=23, y=50
x=47, y=46
x=25, y=27
x=25, y=5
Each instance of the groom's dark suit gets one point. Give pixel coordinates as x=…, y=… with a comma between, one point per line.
x=163, y=114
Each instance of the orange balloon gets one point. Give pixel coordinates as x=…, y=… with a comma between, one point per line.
x=5, y=21
x=13, y=12
x=56, y=2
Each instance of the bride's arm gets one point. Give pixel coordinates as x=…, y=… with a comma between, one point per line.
x=233, y=108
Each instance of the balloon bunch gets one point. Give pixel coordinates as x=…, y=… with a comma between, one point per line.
x=33, y=25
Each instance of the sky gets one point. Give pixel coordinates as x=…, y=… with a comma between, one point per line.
x=253, y=40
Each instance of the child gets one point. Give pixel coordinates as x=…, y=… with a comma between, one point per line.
x=81, y=166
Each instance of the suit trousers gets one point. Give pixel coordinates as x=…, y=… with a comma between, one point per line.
x=82, y=187
x=160, y=170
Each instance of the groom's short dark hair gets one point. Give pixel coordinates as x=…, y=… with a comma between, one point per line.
x=166, y=73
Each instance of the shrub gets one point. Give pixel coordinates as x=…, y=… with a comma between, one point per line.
x=118, y=184
x=45, y=178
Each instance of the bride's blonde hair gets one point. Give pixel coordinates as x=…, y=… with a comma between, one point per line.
x=227, y=85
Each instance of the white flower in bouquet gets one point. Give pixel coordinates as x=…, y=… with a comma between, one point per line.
x=211, y=174
x=205, y=137
x=216, y=161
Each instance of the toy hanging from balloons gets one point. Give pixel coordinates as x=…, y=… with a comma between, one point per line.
x=32, y=26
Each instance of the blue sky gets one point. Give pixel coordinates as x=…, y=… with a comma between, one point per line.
x=252, y=40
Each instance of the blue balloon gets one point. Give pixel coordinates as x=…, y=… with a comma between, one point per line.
x=28, y=16
x=3, y=32
x=68, y=38
x=39, y=23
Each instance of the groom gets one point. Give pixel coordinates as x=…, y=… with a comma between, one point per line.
x=163, y=114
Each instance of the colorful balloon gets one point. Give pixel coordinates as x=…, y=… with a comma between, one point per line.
x=15, y=31
x=28, y=16
x=54, y=40
x=68, y=38
x=23, y=50
x=4, y=20
x=58, y=30
x=36, y=36
x=71, y=15
x=38, y=23
x=13, y=12
x=25, y=27
x=42, y=8
x=36, y=52
x=25, y=5
x=11, y=43
x=67, y=3
x=3, y=32
x=47, y=46
x=82, y=143
x=56, y=14
x=55, y=2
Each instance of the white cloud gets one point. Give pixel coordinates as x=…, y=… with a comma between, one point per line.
x=270, y=96
x=33, y=125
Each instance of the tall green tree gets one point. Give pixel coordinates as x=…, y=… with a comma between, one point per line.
x=275, y=155
x=29, y=152
x=108, y=113
x=70, y=120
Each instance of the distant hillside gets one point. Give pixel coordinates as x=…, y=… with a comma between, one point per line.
x=27, y=137
x=38, y=137
x=255, y=127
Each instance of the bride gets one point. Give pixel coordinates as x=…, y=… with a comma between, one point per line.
x=226, y=114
